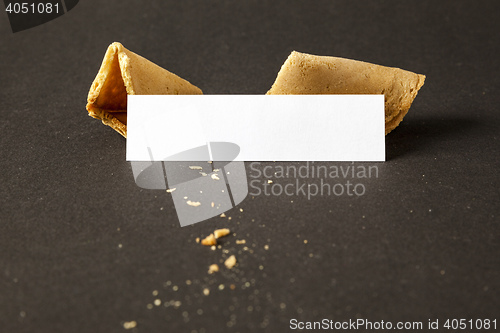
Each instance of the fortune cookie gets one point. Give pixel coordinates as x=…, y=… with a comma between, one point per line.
x=309, y=74
x=125, y=73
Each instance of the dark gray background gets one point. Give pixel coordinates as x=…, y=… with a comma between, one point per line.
x=421, y=244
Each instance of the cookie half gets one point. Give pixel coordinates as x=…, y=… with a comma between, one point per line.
x=310, y=74
x=125, y=73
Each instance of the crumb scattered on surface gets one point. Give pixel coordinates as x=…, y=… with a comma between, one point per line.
x=195, y=167
x=215, y=177
x=213, y=248
x=193, y=203
x=230, y=262
x=222, y=215
x=206, y=291
x=213, y=204
x=157, y=302
x=170, y=190
x=213, y=268
x=241, y=210
x=155, y=292
x=129, y=324
x=269, y=181
x=266, y=247
x=221, y=232
x=197, y=239
x=203, y=174
x=240, y=241
x=221, y=287
x=209, y=240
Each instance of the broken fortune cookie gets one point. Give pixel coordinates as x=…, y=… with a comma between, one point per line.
x=310, y=74
x=125, y=73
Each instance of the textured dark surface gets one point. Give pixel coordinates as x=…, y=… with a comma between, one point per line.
x=422, y=243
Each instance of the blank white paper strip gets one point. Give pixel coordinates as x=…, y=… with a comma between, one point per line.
x=264, y=127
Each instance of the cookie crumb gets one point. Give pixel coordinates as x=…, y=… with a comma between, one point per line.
x=241, y=241
x=193, y=203
x=221, y=232
x=197, y=239
x=215, y=177
x=129, y=324
x=269, y=181
x=222, y=215
x=230, y=262
x=195, y=167
x=206, y=291
x=170, y=190
x=213, y=268
x=209, y=240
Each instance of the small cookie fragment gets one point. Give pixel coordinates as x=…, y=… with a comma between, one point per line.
x=213, y=268
x=209, y=240
x=221, y=232
x=129, y=324
x=193, y=203
x=230, y=262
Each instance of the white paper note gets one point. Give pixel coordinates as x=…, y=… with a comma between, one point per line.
x=264, y=127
